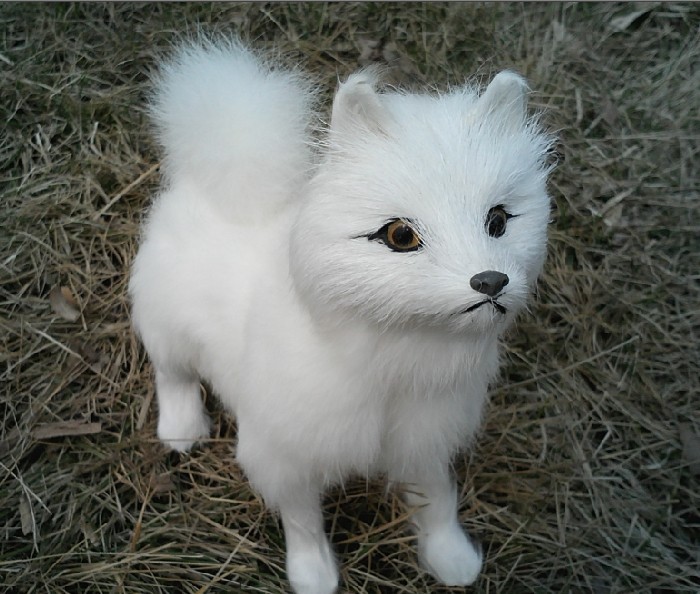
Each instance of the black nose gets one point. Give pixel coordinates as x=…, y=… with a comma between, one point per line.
x=489, y=282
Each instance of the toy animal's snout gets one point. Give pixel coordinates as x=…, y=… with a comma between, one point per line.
x=489, y=282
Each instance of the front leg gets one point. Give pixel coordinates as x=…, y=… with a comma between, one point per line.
x=281, y=475
x=444, y=549
x=311, y=566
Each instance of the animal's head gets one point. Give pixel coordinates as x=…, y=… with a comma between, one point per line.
x=427, y=210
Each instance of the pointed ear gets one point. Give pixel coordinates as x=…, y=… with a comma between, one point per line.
x=506, y=96
x=357, y=104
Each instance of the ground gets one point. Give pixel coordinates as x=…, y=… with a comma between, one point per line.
x=586, y=475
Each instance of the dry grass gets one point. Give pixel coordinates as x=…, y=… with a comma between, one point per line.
x=586, y=477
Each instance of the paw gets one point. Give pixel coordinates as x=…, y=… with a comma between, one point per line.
x=450, y=556
x=181, y=432
x=312, y=571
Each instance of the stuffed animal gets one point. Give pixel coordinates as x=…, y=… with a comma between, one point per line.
x=342, y=288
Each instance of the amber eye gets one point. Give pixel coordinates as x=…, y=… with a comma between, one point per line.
x=496, y=221
x=399, y=235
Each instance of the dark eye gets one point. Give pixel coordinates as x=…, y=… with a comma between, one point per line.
x=399, y=235
x=496, y=221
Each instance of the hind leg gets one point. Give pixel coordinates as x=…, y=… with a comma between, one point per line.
x=182, y=419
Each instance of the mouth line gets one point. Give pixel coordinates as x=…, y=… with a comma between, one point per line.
x=497, y=306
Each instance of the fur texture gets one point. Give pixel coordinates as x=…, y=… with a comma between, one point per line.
x=274, y=278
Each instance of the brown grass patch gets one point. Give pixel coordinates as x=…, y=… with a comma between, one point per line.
x=585, y=479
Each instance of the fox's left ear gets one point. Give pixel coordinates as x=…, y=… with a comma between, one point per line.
x=357, y=104
x=506, y=96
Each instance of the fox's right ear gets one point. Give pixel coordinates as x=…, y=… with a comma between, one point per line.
x=506, y=96
x=358, y=106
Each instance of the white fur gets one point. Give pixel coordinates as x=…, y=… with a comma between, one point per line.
x=337, y=355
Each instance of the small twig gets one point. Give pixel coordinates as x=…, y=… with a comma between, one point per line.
x=70, y=352
x=118, y=196
x=65, y=429
x=572, y=366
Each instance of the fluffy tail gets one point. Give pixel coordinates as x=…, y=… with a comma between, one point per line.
x=234, y=126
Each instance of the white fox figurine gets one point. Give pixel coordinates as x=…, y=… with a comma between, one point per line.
x=345, y=296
